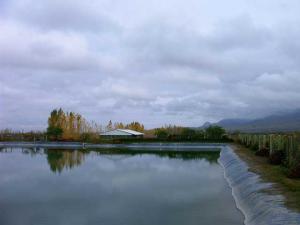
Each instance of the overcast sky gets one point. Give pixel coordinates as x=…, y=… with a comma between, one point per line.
x=182, y=62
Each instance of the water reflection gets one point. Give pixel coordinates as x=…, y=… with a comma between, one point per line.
x=62, y=159
x=113, y=187
x=67, y=159
x=59, y=160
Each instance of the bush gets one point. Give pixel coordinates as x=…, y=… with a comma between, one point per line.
x=254, y=147
x=161, y=133
x=262, y=152
x=294, y=171
x=54, y=133
x=215, y=132
x=294, y=165
x=277, y=157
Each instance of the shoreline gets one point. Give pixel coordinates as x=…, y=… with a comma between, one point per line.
x=177, y=146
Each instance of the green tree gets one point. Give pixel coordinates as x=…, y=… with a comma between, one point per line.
x=161, y=133
x=199, y=135
x=54, y=132
x=215, y=132
x=188, y=133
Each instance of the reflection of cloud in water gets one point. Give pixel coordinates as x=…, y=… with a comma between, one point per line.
x=68, y=159
x=116, y=157
x=114, y=188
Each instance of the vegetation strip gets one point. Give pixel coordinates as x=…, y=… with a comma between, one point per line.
x=280, y=149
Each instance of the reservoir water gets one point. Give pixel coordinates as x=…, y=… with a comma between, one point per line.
x=40, y=186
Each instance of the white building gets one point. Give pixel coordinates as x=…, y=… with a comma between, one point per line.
x=122, y=133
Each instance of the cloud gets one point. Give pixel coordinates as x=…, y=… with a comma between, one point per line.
x=67, y=15
x=26, y=48
x=181, y=63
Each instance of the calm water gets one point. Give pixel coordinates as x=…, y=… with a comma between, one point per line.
x=62, y=187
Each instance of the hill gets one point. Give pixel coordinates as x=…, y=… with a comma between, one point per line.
x=286, y=122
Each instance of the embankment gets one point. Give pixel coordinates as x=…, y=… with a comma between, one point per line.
x=253, y=196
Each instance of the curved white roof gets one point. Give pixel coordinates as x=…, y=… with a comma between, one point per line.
x=122, y=132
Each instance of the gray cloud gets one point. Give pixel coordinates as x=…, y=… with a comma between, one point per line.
x=177, y=63
x=67, y=15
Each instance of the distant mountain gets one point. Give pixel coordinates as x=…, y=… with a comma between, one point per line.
x=233, y=122
x=206, y=124
x=286, y=122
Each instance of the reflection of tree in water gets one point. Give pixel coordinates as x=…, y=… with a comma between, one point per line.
x=64, y=159
x=210, y=156
x=33, y=151
x=5, y=150
x=24, y=150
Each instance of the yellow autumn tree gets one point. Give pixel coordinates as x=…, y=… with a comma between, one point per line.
x=69, y=125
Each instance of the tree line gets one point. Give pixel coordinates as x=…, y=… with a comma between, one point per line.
x=69, y=126
x=280, y=149
x=72, y=126
x=184, y=133
x=119, y=125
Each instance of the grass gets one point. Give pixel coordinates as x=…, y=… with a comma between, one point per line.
x=289, y=188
